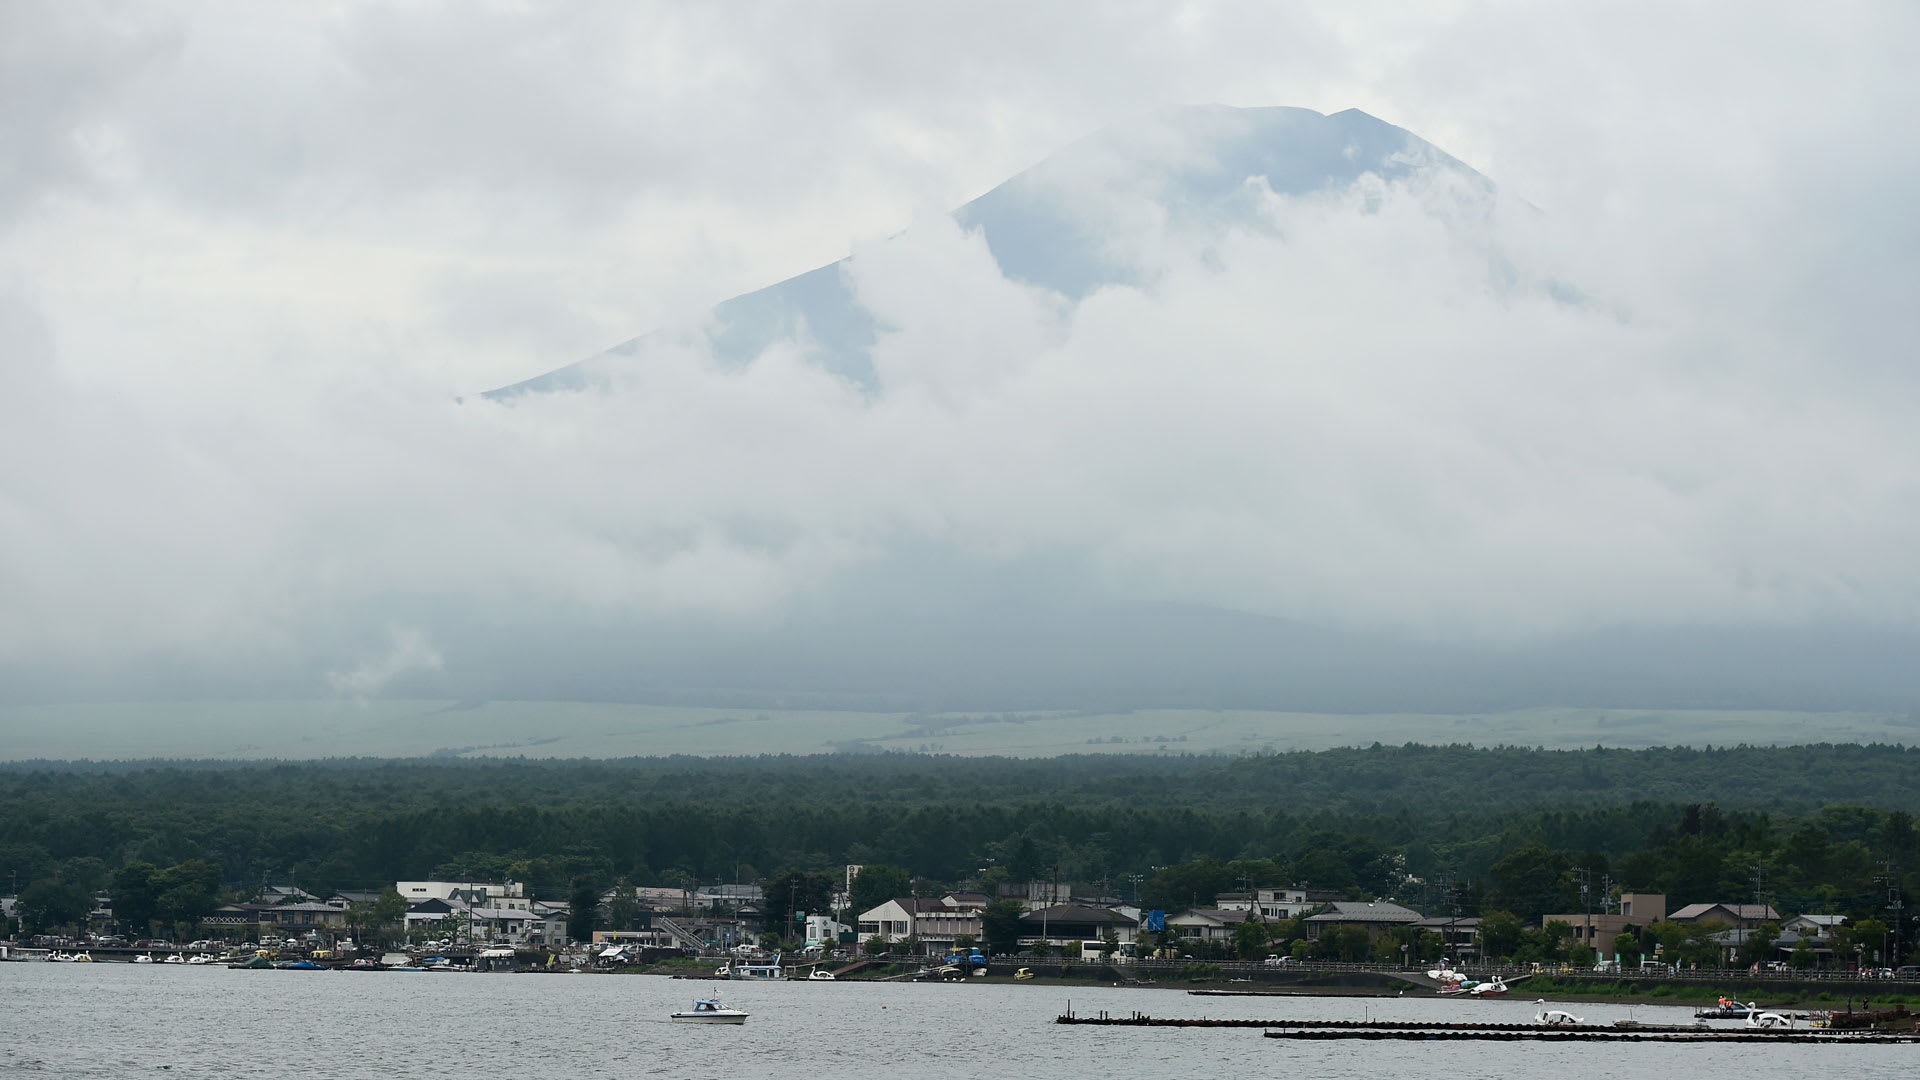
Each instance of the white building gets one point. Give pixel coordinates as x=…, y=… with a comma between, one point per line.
x=512, y=894
x=825, y=930
x=934, y=923
x=1273, y=904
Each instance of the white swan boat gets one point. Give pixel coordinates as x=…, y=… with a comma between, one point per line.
x=709, y=1011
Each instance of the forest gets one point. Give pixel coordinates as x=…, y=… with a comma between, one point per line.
x=1510, y=829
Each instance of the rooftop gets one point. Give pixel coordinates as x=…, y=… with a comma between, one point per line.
x=1354, y=911
x=1738, y=911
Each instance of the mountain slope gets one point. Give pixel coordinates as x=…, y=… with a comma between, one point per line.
x=1195, y=162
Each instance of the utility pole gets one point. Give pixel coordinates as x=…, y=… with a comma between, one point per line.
x=1890, y=877
x=1585, y=874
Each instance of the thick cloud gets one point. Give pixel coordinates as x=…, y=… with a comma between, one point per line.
x=250, y=262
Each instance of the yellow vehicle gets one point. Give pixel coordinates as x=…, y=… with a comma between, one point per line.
x=1023, y=974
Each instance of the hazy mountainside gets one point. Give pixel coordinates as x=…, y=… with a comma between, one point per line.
x=944, y=620
x=1192, y=163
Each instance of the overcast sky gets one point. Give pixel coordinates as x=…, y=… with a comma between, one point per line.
x=251, y=254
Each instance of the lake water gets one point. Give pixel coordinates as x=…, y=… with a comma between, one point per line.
x=123, y=1020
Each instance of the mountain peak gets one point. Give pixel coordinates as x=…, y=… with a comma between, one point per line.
x=1194, y=162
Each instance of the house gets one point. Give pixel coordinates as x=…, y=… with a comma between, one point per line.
x=1738, y=916
x=550, y=925
x=233, y=920
x=1060, y=923
x=1375, y=916
x=299, y=919
x=485, y=918
x=1034, y=895
x=1461, y=936
x=510, y=924
x=1210, y=924
x=1818, y=926
x=825, y=930
x=1730, y=943
x=934, y=923
x=511, y=894
x=427, y=914
x=1276, y=904
x=1597, y=930
x=1643, y=909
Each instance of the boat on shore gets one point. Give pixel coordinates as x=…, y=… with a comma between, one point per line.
x=750, y=970
x=709, y=1011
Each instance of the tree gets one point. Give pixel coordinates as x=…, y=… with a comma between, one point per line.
x=48, y=905
x=1803, y=956
x=1109, y=944
x=186, y=892
x=1698, y=948
x=1626, y=948
x=1250, y=939
x=1345, y=943
x=789, y=893
x=373, y=922
x=1533, y=881
x=1871, y=933
x=583, y=908
x=1000, y=925
x=1758, y=946
x=134, y=898
x=1178, y=888
x=1500, y=934
x=877, y=883
x=874, y=946
x=389, y=915
x=623, y=907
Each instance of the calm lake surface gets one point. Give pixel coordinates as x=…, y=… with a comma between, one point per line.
x=122, y=1020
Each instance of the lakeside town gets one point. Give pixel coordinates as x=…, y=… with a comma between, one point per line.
x=1022, y=930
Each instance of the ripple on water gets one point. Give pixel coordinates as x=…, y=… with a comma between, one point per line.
x=122, y=1020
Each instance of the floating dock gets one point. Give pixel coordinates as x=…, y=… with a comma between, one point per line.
x=1573, y=1035
x=1625, y=1031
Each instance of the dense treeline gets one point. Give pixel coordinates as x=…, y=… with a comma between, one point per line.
x=1510, y=825
x=1415, y=777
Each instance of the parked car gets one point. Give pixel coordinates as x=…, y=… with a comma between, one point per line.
x=1277, y=961
x=1907, y=971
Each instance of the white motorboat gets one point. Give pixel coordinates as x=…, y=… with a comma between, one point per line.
x=709, y=1011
